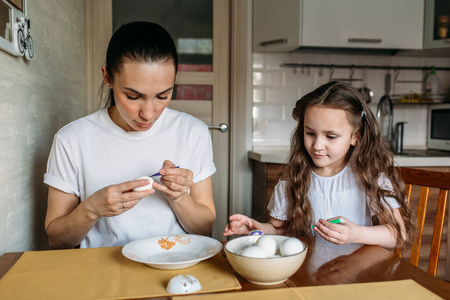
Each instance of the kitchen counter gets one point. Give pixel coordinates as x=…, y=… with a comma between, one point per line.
x=410, y=158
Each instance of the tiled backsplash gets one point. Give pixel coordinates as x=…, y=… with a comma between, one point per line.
x=276, y=89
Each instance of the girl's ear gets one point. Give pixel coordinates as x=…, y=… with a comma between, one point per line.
x=106, y=77
x=355, y=138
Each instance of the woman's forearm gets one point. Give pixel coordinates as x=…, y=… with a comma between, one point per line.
x=195, y=218
x=195, y=210
x=68, y=231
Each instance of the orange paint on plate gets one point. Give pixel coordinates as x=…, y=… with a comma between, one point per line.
x=179, y=239
x=165, y=243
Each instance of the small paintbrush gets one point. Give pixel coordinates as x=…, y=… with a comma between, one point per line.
x=335, y=221
x=157, y=174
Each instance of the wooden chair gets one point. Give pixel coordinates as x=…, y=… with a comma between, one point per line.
x=426, y=180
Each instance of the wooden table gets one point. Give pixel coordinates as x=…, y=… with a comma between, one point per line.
x=329, y=264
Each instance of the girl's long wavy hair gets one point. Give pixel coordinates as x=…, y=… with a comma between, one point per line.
x=368, y=159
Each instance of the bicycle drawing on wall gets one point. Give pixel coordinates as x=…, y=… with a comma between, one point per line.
x=23, y=42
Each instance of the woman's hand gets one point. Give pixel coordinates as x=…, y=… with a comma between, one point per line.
x=343, y=233
x=115, y=199
x=176, y=182
x=241, y=225
x=68, y=221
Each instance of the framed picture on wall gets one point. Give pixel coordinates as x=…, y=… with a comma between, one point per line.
x=17, y=3
x=15, y=35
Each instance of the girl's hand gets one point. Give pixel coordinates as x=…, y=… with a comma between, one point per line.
x=116, y=199
x=240, y=225
x=176, y=181
x=344, y=233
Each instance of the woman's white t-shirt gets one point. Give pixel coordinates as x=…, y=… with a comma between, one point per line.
x=330, y=197
x=93, y=152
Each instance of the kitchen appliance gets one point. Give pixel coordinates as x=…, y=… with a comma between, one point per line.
x=399, y=129
x=385, y=108
x=438, y=135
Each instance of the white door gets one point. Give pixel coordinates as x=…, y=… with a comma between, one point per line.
x=213, y=84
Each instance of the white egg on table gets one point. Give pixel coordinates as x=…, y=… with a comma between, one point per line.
x=145, y=187
x=254, y=252
x=291, y=246
x=267, y=244
x=183, y=284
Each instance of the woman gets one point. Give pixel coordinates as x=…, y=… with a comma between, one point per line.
x=94, y=160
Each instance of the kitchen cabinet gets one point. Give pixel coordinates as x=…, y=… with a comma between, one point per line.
x=281, y=26
x=437, y=24
x=265, y=178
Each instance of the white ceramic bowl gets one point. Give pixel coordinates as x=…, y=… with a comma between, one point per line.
x=263, y=271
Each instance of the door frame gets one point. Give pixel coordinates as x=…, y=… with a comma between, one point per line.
x=221, y=114
x=97, y=32
x=241, y=101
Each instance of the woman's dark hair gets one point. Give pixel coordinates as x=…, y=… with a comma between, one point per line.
x=369, y=159
x=139, y=41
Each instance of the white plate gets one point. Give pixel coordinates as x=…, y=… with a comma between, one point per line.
x=175, y=251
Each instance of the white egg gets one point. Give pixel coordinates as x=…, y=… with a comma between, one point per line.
x=254, y=252
x=145, y=187
x=183, y=284
x=268, y=245
x=291, y=246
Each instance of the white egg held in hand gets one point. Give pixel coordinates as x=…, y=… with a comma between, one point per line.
x=291, y=246
x=254, y=252
x=267, y=244
x=145, y=187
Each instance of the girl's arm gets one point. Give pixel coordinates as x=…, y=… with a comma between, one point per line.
x=68, y=221
x=347, y=232
x=243, y=225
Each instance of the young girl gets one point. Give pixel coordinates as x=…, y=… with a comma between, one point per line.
x=95, y=160
x=339, y=168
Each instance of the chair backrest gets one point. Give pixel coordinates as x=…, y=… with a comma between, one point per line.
x=426, y=180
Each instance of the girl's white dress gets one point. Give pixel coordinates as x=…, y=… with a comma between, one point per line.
x=338, y=195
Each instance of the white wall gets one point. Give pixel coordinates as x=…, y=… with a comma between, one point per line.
x=37, y=98
x=276, y=89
